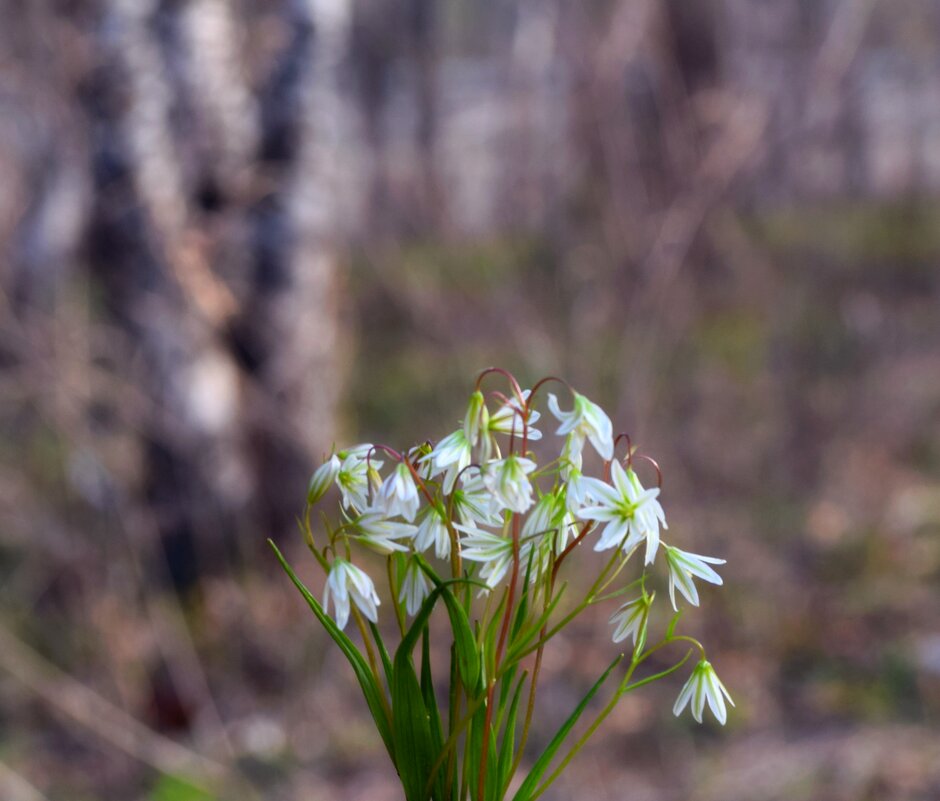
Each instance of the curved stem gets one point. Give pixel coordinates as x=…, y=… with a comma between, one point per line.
x=538, y=385
x=656, y=467
x=571, y=546
x=517, y=390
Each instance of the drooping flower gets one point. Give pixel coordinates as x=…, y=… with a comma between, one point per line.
x=629, y=618
x=414, y=587
x=585, y=420
x=508, y=480
x=355, y=474
x=477, y=418
x=577, y=485
x=322, y=478
x=631, y=512
x=418, y=456
x=493, y=551
x=345, y=582
x=377, y=532
x=452, y=454
x=545, y=532
x=704, y=686
x=508, y=419
x=398, y=494
x=683, y=566
x=475, y=504
x=433, y=531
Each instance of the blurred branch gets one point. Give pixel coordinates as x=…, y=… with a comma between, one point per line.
x=14, y=787
x=111, y=724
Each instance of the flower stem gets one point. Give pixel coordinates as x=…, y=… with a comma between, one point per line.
x=504, y=630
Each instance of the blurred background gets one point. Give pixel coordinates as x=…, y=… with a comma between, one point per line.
x=233, y=232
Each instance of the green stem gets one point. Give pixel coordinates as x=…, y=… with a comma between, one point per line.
x=372, y=661
x=399, y=615
x=624, y=688
x=588, y=600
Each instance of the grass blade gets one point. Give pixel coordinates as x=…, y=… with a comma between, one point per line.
x=530, y=784
x=367, y=680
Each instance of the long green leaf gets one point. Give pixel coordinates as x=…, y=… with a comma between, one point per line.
x=530, y=784
x=411, y=719
x=517, y=648
x=367, y=680
x=383, y=652
x=507, y=750
x=468, y=659
x=430, y=703
x=411, y=725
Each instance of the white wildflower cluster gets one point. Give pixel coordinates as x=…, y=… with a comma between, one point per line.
x=481, y=501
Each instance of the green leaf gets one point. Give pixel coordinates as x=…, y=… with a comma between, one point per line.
x=530, y=784
x=367, y=680
x=411, y=726
x=517, y=648
x=176, y=788
x=411, y=720
x=507, y=750
x=522, y=610
x=430, y=703
x=476, y=734
x=468, y=659
x=670, y=630
x=383, y=651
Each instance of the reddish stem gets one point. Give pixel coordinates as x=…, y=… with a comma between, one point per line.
x=517, y=390
x=538, y=385
x=656, y=467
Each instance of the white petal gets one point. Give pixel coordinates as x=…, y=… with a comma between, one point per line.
x=684, y=695
x=698, y=695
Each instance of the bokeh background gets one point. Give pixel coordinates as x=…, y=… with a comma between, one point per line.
x=233, y=232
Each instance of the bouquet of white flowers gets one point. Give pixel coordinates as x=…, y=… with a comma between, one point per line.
x=501, y=528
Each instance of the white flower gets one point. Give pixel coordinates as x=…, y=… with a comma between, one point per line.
x=398, y=494
x=492, y=550
x=354, y=475
x=545, y=530
x=628, y=619
x=433, y=531
x=322, y=478
x=577, y=485
x=508, y=419
x=414, y=587
x=704, y=685
x=577, y=490
x=508, y=480
x=631, y=512
x=453, y=454
x=476, y=419
x=585, y=420
x=683, y=566
x=419, y=457
x=348, y=581
x=379, y=533
x=475, y=504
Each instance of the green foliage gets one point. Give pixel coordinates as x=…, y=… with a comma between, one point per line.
x=176, y=788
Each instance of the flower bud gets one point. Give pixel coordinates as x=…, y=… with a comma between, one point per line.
x=477, y=418
x=322, y=478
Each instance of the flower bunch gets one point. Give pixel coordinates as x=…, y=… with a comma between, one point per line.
x=476, y=525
